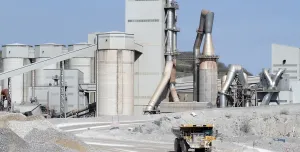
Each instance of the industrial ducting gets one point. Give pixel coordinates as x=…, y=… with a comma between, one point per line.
x=272, y=84
x=169, y=76
x=206, y=69
x=235, y=71
x=196, y=51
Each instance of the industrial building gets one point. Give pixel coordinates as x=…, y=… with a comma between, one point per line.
x=134, y=72
x=147, y=18
x=288, y=57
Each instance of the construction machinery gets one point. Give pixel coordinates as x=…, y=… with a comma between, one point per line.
x=198, y=137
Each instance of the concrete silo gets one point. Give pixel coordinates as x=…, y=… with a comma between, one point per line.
x=82, y=62
x=15, y=56
x=115, y=73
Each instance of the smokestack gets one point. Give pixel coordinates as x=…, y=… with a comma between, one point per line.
x=196, y=49
x=208, y=69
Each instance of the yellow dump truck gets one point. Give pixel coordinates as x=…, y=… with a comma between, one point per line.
x=198, y=137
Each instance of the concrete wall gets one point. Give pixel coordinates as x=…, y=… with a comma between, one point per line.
x=145, y=19
x=295, y=87
x=292, y=57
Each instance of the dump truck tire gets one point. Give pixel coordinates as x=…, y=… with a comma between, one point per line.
x=177, y=147
x=184, y=146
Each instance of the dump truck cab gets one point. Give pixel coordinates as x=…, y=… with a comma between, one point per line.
x=198, y=137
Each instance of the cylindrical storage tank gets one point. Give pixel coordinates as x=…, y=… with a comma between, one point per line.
x=44, y=52
x=115, y=74
x=82, y=62
x=17, y=82
x=208, y=72
x=16, y=56
x=208, y=87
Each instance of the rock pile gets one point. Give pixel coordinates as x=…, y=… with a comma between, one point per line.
x=26, y=134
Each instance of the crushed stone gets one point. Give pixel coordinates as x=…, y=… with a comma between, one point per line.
x=255, y=126
x=19, y=133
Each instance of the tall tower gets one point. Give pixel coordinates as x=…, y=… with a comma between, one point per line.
x=146, y=20
x=208, y=68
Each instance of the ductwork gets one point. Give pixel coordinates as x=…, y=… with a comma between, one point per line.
x=196, y=49
x=208, y=68
x=170, y=68
x=173, y=73
x=272, y=84
x=234, y=71
x=223, y=80
x=267, y=76
x=160, y=88
x=172, y=83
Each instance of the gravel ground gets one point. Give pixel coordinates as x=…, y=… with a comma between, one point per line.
x=241, y=128
x=35, y=134
x=274, y=128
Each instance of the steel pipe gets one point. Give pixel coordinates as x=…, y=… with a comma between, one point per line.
x=234, y=70
x=160, y=88
x=272, y=84
x=172, y=83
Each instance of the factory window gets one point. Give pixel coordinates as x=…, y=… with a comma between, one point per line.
x=283, y=62
x=144, y=20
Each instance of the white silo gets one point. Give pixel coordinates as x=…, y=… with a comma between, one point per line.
x=82, y=62
x=115, y=73
x=43, y=52
x=15, y=56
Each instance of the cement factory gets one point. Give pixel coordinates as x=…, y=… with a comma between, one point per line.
x=107, y=74
x=133, y=75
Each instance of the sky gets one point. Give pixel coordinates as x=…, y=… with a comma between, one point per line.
x=242, y=34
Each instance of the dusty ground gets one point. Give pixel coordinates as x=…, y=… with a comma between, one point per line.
x=241, y=129
x=255, y=129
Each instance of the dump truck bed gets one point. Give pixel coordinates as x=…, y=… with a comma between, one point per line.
x=179, y=131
